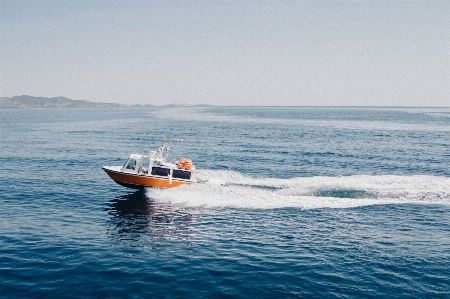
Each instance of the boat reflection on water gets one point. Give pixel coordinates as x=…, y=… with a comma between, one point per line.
x=138, y=221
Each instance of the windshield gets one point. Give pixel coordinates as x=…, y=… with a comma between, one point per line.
x=130, y=164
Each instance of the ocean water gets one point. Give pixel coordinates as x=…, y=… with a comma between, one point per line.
x=319, y=202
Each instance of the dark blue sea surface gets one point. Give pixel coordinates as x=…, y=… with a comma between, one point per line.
x=319, y=202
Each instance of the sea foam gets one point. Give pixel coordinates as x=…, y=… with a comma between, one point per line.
x=242, y=191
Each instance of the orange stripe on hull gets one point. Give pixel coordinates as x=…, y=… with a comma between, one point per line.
x=144, y=181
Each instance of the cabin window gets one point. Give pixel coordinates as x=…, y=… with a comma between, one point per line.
x=160, y=171
x=180, y=174
x=131, y=164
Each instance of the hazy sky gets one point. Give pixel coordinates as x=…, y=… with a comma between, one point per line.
x=228, y=52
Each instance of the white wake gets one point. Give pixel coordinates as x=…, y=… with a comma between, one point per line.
x=242, y=191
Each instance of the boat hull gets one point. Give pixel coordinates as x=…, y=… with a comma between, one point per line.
x=140, y=181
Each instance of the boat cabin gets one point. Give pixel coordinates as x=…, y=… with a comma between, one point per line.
x=141, y=164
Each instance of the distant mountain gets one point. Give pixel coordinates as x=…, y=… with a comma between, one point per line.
x=26, y=101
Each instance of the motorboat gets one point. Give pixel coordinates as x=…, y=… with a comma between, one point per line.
x=159, y=173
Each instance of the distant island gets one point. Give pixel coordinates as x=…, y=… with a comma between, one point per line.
x=26, y=101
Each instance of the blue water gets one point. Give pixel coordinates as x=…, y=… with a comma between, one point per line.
x=318, y=203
